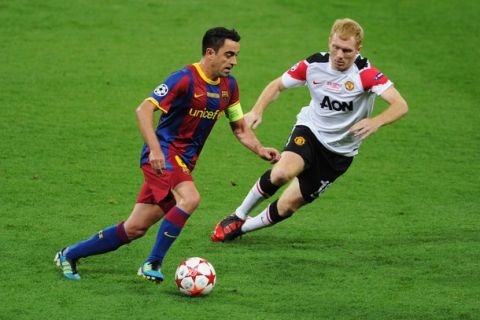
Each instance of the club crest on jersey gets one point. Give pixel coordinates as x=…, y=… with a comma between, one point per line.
x=349, y=85
x=299, y=141
x=161, y=90
x=225, y=96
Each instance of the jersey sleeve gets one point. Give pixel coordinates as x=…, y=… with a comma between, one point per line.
x=234, y=92
x=296, y=76
x=175, y=85
x=374, y=80
x=234, y=110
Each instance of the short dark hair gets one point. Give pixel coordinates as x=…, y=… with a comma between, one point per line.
x=215, y=37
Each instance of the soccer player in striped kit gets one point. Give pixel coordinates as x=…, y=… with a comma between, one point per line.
x=190, y=101
x=327, y=134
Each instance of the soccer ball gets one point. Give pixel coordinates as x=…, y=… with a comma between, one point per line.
x=195, y=277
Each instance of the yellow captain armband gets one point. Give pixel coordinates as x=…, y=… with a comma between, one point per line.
x=234, y=112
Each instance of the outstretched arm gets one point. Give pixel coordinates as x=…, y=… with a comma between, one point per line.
x=246, y=137
x=145, y=124
x=268, y=95
x=398, y=108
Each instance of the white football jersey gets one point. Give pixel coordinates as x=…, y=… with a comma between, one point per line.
x=339, y=98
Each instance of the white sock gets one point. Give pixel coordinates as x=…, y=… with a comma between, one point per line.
x=261, y=220
x=253, y=199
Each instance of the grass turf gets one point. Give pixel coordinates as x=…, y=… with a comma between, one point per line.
x=396, y=238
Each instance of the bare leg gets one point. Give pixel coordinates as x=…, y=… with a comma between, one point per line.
x=143, y=216
x=291, y=200
x=289, y=166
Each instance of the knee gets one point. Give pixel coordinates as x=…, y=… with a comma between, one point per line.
x=280, y=176
x=191, y=203
x=135, y=232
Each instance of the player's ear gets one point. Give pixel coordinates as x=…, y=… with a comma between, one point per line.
x=209, y=52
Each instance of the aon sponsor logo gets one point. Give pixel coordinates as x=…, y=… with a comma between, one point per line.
x=336, y=105
x=204, y=114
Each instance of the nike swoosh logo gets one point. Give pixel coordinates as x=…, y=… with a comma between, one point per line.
x=316, y=82
x=197, y=95
x=169, y=235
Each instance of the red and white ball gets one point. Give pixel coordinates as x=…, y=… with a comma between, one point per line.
x=195, y=277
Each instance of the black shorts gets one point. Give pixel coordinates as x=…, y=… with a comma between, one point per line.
x=322, y=166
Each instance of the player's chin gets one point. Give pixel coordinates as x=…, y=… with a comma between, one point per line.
x=340, y=65
x=226, y=72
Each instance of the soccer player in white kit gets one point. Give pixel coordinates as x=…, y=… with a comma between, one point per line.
x=327, y=134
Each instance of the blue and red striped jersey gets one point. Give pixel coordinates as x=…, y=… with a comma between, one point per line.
x=191, y=103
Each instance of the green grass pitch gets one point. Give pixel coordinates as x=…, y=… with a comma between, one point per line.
x=397, y=237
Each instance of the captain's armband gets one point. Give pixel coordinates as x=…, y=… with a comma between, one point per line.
x=234, y=112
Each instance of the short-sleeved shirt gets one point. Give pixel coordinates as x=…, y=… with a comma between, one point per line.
x=191, y=104
x=339, y=99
